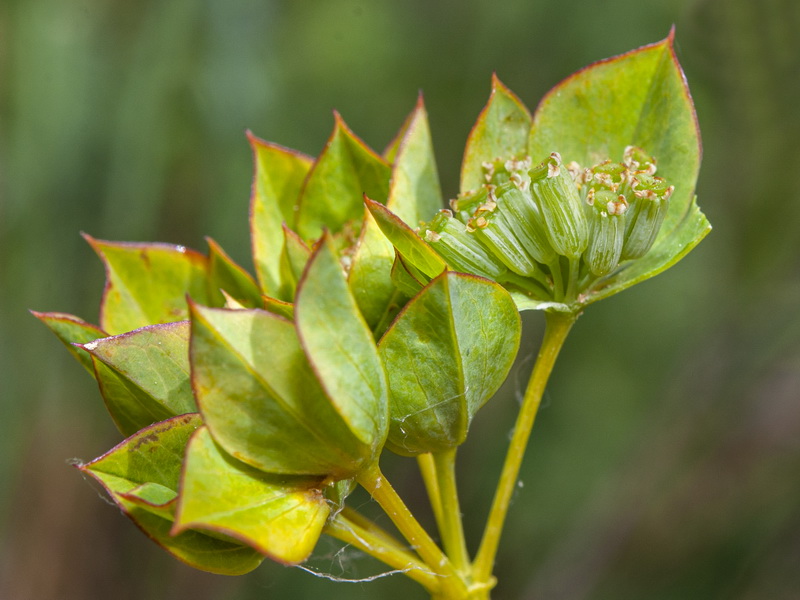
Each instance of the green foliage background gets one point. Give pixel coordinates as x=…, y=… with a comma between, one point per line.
x=666, y=461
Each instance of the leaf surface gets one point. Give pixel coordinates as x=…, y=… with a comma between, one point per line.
x=501, y=131
x=148, y=283
x=415, y=250
x=225, y=275
x=280, y=517
x=72, y=331
x=340, y=347
x=144, y=374
x=145, y=469
x=259, y=396
x=446, y=354
x=333, y=191
x=278, y=179
x=415, y=193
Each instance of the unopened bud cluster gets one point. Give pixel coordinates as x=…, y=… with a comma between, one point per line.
x=554, y=228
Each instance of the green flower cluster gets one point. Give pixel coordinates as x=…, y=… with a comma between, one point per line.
x=553, y=229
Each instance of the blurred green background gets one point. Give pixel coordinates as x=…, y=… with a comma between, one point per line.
x=666, y=460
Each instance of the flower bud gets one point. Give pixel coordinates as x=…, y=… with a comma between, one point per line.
x=607, y=225
x=527, y=221
x=496, y=230
x=557, y=196
x=449, y=237
x=649, y=202
x=638, y=161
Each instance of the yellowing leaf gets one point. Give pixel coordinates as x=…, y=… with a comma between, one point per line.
x=281, y=517
x=148, y=283
x=144, y=470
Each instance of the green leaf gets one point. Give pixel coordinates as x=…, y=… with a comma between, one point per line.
x=147, y=374
x=279, y=307
x=148, y=283
x=145, y=469
x=501, y=131
x=294, y=256
x=639, y=98
x=259, y=396
x=72, y=332
x=345, y=171
x=413, y=248
x=279, y=176
x=226, y=275
x=340, y=347
x=406, y=277
x=370, y=276
x=278, y=516
x=468, y=331
x=415, y=193
x=129, y=406
x=389, y=153
x=154, y=498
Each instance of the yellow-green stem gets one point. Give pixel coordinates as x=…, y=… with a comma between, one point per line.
x=352, y=515
x=371, y=479
x=557, y=327
x=451, y=527
x=368, y=542
x=427, y=467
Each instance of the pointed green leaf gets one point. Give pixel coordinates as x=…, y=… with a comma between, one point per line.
x=279, y=307
x=279, y=176
x=147, y=467
x=226, y=275
x=370, y=277
x=468, y=331
x=294, y=256
x=129, y=406
x=340, y=347
x=413, y=248
x=345, y=171
x=639, y=98
x=149, y=368
x=501, y=131
x=415, y=194
x=148, y=283
x=72, y=332
x=406, y=277
x=154, y=498
x=279, y=516
x=259, y=396
x=231, y=302
x=389, y=153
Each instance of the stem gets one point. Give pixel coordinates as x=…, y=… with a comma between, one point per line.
x=558, y=280
x=451, y=526
x=375, y=545
x=557, y=327
x=427, y=467
x=384, y=494
x=529, y=285
x=353, y=516
x=572, y=286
